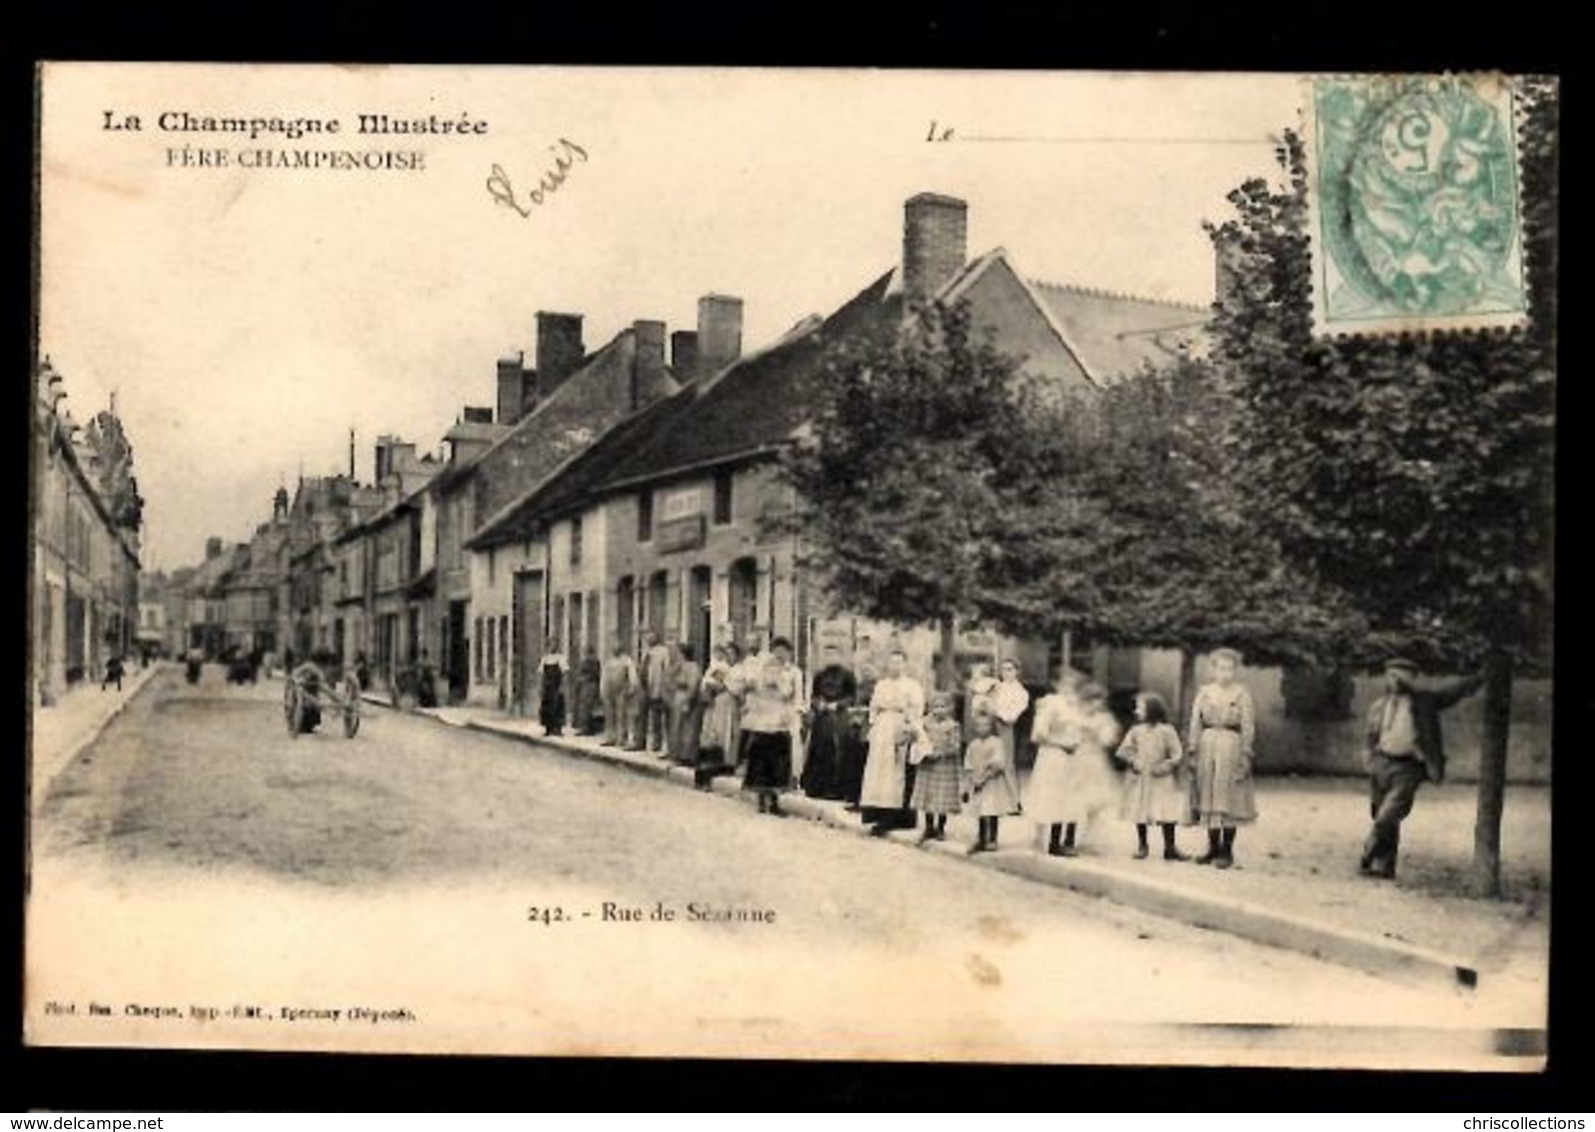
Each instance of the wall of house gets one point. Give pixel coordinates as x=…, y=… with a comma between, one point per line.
x=999, y=300
x=684, y=510
x=1287, y=743
x=493, y=662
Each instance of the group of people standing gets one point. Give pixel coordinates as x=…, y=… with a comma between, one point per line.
x=896, y=756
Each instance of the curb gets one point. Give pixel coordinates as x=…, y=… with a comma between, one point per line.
x=1244, y=919
x=41, y=784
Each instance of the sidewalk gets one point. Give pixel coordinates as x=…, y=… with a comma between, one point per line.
x=1295, y=884
x=59, y=732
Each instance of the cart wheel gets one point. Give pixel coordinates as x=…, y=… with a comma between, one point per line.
x=290, y=711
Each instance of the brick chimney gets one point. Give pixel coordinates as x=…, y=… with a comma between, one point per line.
x=213, y=547
x=648, y=371
x=559, y=349
x=684, y=355
x=719, y=332
x=511, y=388
x=935, y=243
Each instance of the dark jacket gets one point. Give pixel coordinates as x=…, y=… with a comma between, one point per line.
x=1427, y=704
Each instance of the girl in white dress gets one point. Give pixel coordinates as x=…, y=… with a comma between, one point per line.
x=896, y=707
x=1009, y=700
x=1072, y=780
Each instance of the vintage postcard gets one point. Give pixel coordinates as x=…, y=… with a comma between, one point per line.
x=756, y=563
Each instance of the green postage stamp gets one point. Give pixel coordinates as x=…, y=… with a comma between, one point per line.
x=1414, y=196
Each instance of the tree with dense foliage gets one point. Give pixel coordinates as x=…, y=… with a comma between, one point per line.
x=899, y=471
x=1411, y=472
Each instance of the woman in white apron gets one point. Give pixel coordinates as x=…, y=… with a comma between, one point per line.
x=896, y=707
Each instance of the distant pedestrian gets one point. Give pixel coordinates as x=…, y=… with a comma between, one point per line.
x=989, y=796
x=656, y=662
x=617, y=685
x=897, y=706
x=551, y=703
x=769, y=691
x=1404, y=749
x=1072, y=781
x=113, y=673
x=1154, y=785
x=1222, y=735
x=937, y=759
x=362, y=669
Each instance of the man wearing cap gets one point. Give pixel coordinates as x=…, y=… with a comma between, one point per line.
x=1404, y=749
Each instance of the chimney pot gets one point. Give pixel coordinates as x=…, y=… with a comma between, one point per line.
x=648, y=372
x=935, y=243
x=511, y=380
x=684, y=354
x=559, y=349
x=719, y=332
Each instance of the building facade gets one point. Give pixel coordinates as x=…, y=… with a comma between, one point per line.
x=85, y=534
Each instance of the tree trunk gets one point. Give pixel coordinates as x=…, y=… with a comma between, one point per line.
x=947, y=671
x=1186, y=692
x=1492, y=774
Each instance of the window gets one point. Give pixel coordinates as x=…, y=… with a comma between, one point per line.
x=492, y=565
x=645, y=515
x=722, y=496
x=576, y=541
x=476, y=650
x=488, y=648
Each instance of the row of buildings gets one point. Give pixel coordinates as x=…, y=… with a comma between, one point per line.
x=626, y=488
x=87, y=516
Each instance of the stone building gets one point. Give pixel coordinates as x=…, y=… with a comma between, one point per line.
x=86, y=517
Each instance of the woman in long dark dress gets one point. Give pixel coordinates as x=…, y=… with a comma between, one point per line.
x=828, y=768
x=551, y=706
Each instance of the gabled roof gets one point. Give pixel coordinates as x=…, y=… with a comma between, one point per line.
x=1114, y=335
x=568, y=486
x=753, y=405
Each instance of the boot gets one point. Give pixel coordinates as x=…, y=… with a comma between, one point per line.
x=1068, y=849
x=941, y=827
x=1227, y=856
x=980, y=845
x=929, y=830
x=1215, y=848
x=1055, y=841
x=1170, y=851
x=1140, y=841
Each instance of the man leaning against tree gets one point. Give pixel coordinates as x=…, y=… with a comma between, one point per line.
x=1405, y=749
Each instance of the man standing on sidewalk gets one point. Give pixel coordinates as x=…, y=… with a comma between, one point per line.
x=656, y=691
x=617, y=687
x=1404, y=749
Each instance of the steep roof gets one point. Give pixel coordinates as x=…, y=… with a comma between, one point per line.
x=755, y=403
x=569, y=485
x=1113, y=335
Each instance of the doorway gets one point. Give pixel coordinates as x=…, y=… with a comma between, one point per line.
x=699, y=611
x=526, y=619
x=744, y=596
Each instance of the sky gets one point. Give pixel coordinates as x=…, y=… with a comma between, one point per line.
x=247, y=319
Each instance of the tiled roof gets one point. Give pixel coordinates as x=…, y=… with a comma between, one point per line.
x=1113, y=334
x=570, y=484
x=752, y=405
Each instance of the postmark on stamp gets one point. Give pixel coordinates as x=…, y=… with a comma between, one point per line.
x=1414, y=198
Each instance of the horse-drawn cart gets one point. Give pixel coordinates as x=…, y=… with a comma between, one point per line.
x=305, y=697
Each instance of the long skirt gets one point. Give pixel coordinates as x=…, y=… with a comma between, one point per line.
x=769, y=755
x=937, y=787
x=688, y=719
x=718, y=736
x=886, y=770
x=1223, y=794
x=1068, y=787
x=824, y=770
x=1155, y=798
